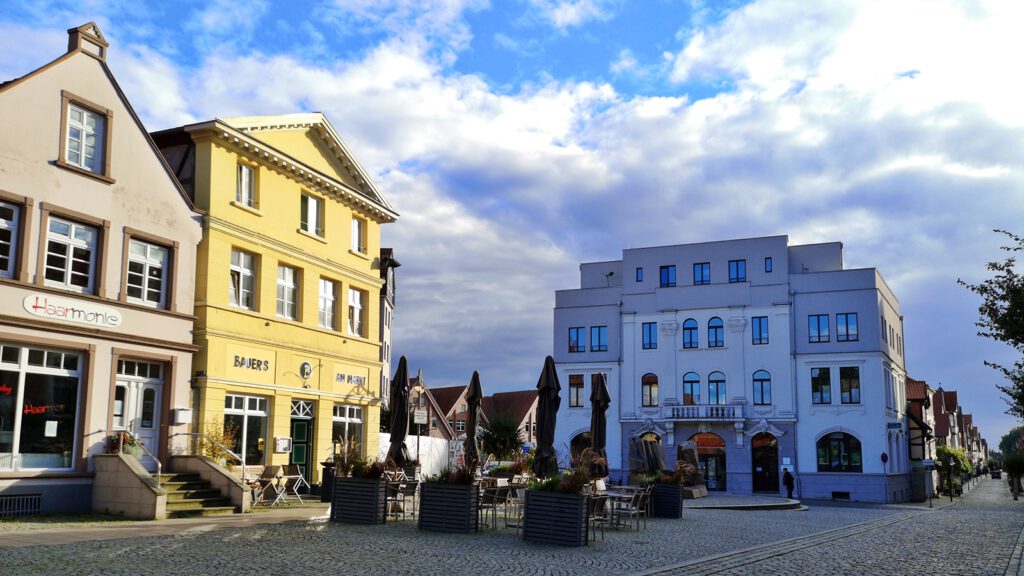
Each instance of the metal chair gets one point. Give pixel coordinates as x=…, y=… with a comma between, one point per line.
x=598, y=509
x=491, y=499
x=267, y=484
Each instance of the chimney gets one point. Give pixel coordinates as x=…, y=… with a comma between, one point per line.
x=88, y=39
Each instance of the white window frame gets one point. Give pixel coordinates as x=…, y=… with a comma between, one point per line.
x=356, y=312
x=312, y=214
x=358, y=235
x=149, y=263
x=245, y=185
x=256, y=406
x=327, y=309
x=97, y=134
x=10, y=227
x=242, y=281
x=347, y=414
x=71, y=242
x=287, y=292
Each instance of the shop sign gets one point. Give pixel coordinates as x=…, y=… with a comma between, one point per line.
x=53, y=307
x=419, y=417
x=353, y=379
x=249, y=363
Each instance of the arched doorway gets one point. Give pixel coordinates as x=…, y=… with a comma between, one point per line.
x=764, y=450
x=711, y=459
x=579, y=443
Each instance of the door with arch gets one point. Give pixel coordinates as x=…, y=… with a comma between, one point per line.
x=138, y=393
x=764, y=450
x=711, y=459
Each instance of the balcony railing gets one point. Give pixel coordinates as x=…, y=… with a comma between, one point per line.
x=705, y=412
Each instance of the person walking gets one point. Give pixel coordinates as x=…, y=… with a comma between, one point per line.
x=787, y=480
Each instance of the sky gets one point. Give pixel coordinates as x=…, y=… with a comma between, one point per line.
x=520, y=138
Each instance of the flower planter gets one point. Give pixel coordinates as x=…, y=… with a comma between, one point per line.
x=358, y=501
x=449, y=507
x=667, y=501
x=555, y=518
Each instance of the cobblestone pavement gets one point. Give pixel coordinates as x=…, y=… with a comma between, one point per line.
x=977, y=536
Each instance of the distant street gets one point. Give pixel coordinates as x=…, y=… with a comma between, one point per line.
x=980, y=534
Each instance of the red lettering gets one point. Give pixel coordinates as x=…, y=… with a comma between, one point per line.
x=32, y=409
x=6, y=390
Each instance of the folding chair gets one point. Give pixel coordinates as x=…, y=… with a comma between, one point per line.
x=266, y=485
x=293, y=480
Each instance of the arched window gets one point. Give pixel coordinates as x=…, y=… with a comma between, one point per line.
x=716, y=333
x=690, y=333
x=716, y=388
x=691, y=389
x=839, y=452
x=649, y=390
x=762, y=387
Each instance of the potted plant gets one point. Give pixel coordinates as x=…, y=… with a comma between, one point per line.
x=361, y=497
x=450, y=501
x=556, y=510
x=667, y=492
x=123, y=442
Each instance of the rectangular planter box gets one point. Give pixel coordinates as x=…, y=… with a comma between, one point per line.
x=358, y=501
x=449, y=507
x=667, y=501
x=555, y=518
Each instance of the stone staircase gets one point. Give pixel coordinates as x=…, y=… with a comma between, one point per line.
x=188, y=495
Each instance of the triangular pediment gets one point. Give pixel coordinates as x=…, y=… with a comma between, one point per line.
x=311, y=140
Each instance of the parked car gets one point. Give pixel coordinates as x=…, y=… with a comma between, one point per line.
x=996, y=474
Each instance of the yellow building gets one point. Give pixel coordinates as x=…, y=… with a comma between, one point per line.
x=287, y=286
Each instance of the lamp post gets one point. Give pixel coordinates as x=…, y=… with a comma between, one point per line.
x=949, y=463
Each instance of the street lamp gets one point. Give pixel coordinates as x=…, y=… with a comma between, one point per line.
x=949, y=463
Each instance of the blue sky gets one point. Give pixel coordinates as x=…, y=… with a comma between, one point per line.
x=520, y=138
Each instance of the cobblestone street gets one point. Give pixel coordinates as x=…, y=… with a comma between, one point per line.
x=977, y=535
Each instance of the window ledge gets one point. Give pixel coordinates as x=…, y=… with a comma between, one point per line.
x=359, y=254
x=247, y=208
x=82, y=171
x=311, y=235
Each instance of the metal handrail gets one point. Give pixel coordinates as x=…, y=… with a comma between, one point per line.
x=198, y=435
x=120, y=449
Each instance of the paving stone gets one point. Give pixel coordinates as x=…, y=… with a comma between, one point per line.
x=979, y=535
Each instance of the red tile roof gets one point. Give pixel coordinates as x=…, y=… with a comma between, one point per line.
x=968, y=420
x=916, y=389
x=447, y=397
x=516, y=404
x=939, y=412
x=949, y=399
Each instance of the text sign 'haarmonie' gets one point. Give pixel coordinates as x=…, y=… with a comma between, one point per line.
x=69, y=310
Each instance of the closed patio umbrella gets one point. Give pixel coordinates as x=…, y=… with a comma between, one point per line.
x=399, y=407
x=473, y=399
x=545, y=462
x=599, y=402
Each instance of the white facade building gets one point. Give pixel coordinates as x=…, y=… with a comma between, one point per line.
x=764, y=355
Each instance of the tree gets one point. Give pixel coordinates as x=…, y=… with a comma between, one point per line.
x=502, y=437
x=1002, y=318
x=1012, y=442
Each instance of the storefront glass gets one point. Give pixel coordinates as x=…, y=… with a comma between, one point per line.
x=245, y=417
x=39, y=391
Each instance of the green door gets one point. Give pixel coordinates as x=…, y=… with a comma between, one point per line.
x=302, y=447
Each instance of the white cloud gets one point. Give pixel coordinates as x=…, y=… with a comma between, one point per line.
x=570, y=13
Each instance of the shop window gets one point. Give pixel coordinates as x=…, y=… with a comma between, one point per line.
x=38, y=408
x=839, y=452
x=347, y=424
x=245, y=418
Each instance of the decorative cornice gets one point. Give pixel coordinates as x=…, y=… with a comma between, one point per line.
x=300, y=172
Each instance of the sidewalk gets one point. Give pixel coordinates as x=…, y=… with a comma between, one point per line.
x=70, y=532
x=742, y=502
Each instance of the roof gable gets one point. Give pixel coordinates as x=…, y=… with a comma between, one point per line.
x=71, y=72
x=448, y=397
x=517, y=404
x=312, y=139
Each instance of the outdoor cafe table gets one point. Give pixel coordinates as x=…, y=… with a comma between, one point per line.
x=616, y=496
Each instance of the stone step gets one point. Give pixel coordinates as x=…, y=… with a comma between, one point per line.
x=194, y=512
x=164, y=478
x=198, y=503
x=185, y=486
x=193, y=494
